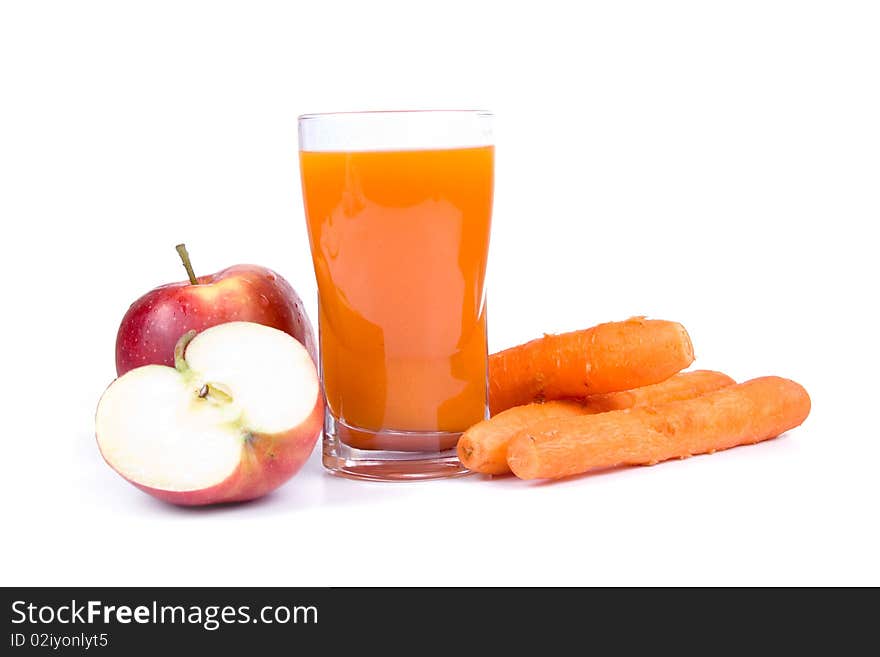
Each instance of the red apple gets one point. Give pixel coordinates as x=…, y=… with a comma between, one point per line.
x=236, y=417
x=154, y=323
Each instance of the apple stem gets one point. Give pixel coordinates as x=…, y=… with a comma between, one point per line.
x=180, y=363
x=184, y=257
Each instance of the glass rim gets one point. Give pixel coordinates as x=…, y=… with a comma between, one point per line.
x=326, y=115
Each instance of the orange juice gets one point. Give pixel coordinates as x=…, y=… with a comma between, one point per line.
x=399, y=241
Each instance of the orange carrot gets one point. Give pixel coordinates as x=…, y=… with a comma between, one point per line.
x=684, y=385
x=738, y=415
x=606, y=358
x=483, y=447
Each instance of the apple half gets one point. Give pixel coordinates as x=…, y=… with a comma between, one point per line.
x=236, y=417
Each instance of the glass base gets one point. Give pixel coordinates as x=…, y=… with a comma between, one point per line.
x=398, y=456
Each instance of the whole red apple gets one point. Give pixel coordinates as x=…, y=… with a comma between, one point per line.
x=248, y=293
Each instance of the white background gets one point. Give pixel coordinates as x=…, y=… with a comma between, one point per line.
x=712, y=163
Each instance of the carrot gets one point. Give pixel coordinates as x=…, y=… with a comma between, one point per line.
x=483, y=447
x=738, y=415
x=684, y=385
x=606, y=358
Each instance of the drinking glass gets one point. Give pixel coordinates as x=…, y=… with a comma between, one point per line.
x=399, y=207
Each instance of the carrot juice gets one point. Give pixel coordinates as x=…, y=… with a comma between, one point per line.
x=399, y=241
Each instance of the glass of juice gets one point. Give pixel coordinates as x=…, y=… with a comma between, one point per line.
x=399, y=207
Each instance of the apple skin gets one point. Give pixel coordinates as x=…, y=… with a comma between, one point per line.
x=268, y=461
x=250, y=293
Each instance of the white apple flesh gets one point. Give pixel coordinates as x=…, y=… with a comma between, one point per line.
x=235, y=418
